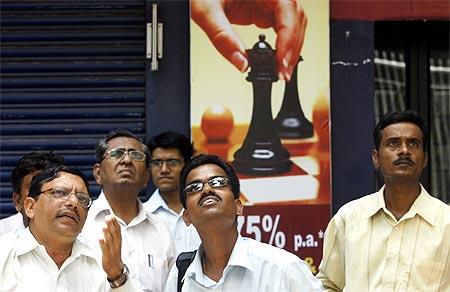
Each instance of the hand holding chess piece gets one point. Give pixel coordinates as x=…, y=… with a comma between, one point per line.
x=286, y=17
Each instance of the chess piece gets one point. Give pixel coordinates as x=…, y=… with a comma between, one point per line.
x=217, y=124
x=321, y=151
x=291, y=122
x=262, y=152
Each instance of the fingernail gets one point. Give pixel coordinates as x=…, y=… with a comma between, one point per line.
x=287, y=59
x=239, y=61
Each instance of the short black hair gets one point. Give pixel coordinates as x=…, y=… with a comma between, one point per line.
x=50, y=173
x=398, y=117
x=31, y=162
x=102, y=145
x=208, y=159
x=171, y=139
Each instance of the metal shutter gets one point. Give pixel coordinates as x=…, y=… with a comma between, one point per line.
x=71, y=72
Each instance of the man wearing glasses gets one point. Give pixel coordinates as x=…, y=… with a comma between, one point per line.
x=225, y=261
x=27, y=166
x=169, y=151
x=122, y=169
x=47, y=256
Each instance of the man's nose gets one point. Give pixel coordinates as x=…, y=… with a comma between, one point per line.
x=126, y=157
x=404, y=149
x=164, y=167
x=72, y=200
x=207, y=188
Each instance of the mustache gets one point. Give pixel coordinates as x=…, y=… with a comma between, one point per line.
x=69, y=212
x=403, y=160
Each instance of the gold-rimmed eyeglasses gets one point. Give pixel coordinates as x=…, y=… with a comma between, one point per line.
x=118, y=153
x=61, y=193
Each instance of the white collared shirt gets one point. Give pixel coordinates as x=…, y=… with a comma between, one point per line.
x=253, y=267
x=186, y=237
x=26, y=266
x=147, y=246
x=367, y=249
x=11, y=224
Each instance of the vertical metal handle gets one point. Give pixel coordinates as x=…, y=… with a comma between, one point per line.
x=154, y=39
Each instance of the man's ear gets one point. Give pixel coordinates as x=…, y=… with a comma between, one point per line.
x=375, y=162
x=29, y=206
x=16, y=200
x=96, y=171
x=239, y=207
x=186, y=218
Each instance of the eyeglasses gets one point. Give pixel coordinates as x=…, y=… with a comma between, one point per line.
x=158, y=163
x=64, y=194
x=118, y=153
x=215, y=183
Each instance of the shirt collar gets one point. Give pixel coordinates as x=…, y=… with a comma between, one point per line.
x=27, y=242
x=423, y=206
x=100, y=208
x=239, y=257
x=376, y=202
x=155, y=202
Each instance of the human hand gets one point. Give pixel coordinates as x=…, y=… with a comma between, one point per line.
x=111, y=247
x=286, y=17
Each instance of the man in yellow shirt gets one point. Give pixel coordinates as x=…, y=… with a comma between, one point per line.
x=397, y=239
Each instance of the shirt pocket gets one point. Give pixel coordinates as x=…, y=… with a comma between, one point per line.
x=153, y=272
x=425, y=275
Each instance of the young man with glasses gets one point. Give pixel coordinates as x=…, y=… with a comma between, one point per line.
x=225, y=261
x=47, y=256
x=169, y=151
x=122, y=169
x=27, y=166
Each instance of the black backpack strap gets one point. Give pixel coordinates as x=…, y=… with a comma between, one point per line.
x=184, y=259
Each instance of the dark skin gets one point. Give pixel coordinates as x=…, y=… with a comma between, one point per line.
x=122, y=179
x=166, y=178
x=401, y=159
x=213, y=213
x=55, y=223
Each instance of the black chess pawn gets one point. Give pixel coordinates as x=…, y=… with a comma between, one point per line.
x=291, y=122
x=262, y=152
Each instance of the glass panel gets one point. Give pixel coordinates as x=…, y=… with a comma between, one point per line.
x=439, y=122
x=390, y=92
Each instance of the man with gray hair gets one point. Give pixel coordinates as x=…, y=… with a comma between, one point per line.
x=122, y=169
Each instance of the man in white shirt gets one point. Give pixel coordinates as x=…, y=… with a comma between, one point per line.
x=47, y=256
x=122, y=169
x=27, y=166
x=225, y=261
x=169, y=151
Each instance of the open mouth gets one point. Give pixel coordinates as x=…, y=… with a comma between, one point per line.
x=209, y=200
x=70, y=216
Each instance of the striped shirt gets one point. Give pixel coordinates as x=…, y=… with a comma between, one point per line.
x=367, y=249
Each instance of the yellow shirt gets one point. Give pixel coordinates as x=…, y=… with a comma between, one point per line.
x=367, y=249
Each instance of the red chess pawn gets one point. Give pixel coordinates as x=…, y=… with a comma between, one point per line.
x=217, y=124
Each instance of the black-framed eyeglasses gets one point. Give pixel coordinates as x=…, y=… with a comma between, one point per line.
x=171, y=162
x=61, y=193
x=118, y=153
x=215, y=183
